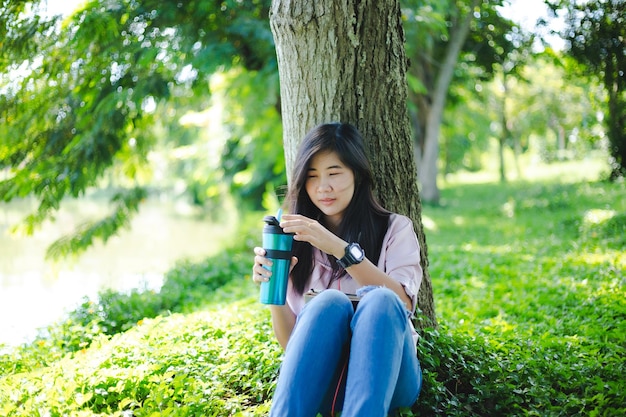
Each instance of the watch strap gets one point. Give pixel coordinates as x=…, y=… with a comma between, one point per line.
x=349, y=259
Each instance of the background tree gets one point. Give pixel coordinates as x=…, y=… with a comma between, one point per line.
x=541, y=120
x=82, y=96
x=511, y=62
x=428, y=149
x=442, y=34
x=595, y=32
x=345, y=61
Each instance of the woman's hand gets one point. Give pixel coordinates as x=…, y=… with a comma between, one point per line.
x=309, y=230
x=261, y=270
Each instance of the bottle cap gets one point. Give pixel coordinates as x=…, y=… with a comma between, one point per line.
x=271, y=220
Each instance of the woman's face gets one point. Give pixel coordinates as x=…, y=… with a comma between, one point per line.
x=330, y=185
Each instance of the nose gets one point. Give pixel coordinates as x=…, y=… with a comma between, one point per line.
x=324, y=184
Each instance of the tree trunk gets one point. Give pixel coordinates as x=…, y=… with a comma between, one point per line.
x=345, y=61
x=616, y=122
x=505, y=134
x=428, y=169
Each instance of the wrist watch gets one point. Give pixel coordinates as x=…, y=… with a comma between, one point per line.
x=354, y=255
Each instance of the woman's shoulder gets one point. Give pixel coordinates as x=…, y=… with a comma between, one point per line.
x=400, y=245
x=399, y=220
x=400, y=228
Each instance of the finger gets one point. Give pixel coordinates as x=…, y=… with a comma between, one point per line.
x=301, y=226
x=262, y=261
x=262, y=266
x=294, y=220
x=259, y=277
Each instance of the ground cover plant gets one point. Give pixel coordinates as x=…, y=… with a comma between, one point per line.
x=530, y=293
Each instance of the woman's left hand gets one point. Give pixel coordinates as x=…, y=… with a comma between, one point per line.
x=309, y=230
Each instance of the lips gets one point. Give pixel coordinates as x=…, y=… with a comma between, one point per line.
x=327, y=201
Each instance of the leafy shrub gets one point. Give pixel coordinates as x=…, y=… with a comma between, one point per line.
x=188, y=285
x=483, y=376
x=215, y=363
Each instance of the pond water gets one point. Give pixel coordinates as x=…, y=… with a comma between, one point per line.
x=35, y=292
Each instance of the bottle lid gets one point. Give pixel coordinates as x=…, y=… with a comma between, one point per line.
x=271, y=220
x=273, y=226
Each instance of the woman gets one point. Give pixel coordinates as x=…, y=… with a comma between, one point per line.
x=361, y=361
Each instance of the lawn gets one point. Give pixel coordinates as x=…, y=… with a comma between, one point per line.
x=529, y=286
x=532, y=272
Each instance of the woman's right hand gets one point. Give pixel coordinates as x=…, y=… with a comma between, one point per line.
x=259, y=272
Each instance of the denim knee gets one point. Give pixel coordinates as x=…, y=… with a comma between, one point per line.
x=381, y=298
x=329, y=302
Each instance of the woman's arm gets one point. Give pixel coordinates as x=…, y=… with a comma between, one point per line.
x=283, y=322
x=365, y=273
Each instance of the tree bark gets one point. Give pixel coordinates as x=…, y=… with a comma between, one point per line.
x=345, y=61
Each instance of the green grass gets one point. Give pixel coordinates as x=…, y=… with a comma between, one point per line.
x=529, y=287
x=534, y=274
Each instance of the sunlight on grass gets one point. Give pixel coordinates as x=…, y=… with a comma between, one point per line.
x=598, y=216
x=474, y=249
x=602, y=257
x=508, y=208
x=429, y=224
x=533, y=169
x=499, y=325
x=458, y=220
x=476, y=282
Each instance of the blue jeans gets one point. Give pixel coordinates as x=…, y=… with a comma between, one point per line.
x=362, y=363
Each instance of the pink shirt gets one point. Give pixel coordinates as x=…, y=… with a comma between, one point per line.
x=399, y=258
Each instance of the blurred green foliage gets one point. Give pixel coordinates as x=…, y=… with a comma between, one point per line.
x=83, y=100
x=594, y=32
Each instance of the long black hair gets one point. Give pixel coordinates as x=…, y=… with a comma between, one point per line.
x=365, y=221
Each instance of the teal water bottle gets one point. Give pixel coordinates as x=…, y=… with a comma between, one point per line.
x=277, y=245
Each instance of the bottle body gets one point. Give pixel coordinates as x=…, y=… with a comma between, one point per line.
x=277, y=245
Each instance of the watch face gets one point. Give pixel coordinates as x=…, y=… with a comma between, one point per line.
x=356, y=252
x=354, y=255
